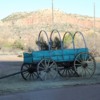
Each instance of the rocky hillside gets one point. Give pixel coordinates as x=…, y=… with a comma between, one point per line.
x=44, y=17
x=21, y=28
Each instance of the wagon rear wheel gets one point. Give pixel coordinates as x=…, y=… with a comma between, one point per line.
x=47, y=69
x=65, y=71
x=85, y=65
x=28, y=72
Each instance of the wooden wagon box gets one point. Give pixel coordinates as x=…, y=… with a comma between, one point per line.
x=56, y=55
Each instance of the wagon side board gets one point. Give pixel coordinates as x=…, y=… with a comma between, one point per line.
x=56, y=55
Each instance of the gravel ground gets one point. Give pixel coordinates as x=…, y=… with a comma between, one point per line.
x=13, y=84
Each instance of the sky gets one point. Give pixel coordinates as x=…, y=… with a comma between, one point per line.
x=82, y=7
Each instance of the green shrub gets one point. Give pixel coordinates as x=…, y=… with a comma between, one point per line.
x=42, y=44
x=18, y=45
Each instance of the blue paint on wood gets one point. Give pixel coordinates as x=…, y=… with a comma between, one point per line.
x=28, y=58
x=56, y=55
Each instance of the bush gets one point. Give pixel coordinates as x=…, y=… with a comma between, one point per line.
x=18, y=45
x=44, y=45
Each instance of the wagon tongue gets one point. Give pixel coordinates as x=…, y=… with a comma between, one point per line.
x=13, y=74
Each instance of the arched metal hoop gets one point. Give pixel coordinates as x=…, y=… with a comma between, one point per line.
x=78, y=32
x=46, y=36
x=59, y=38
x=71, y=37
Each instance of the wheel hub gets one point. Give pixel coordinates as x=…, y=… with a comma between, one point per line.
x=30, y=70
x=84, y=65
x=48, y=70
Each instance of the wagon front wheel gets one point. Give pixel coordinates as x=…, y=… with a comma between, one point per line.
x=28, y=72
x=85, y=65
x=47, y=69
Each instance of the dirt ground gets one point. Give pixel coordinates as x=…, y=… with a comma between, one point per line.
x=12, y=63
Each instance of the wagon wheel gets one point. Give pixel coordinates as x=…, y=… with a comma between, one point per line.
x=28, y=72
x=65, y=71
x=47, y=69
x=85, y=65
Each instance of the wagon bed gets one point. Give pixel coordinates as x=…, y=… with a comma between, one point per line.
x=56, y=55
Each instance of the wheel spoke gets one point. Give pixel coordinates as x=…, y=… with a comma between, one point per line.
x=85, y=57
x=85, y=72
x=51, y=74
x=27, y=66
x=90, y=65
x=48, y=62
x=82, y=72
x=52, y=64
x=27, y=75
x=90, y=69
x=78, y=64
x=63, y=72
x=35, y=74
x=45, y=76
x=69, y=74
x=41, y=68
x=25, y=72
x=88, y=72
x=32, y=75
x=66, y=72
x=60, y=68
x=43, y=64
x=78, y=60
x=90, y=58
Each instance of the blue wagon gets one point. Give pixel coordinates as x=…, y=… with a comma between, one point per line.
x=46, y=64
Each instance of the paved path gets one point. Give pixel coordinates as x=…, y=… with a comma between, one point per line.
x=66, y=93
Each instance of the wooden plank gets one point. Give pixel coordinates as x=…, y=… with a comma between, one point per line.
x=40, y=53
